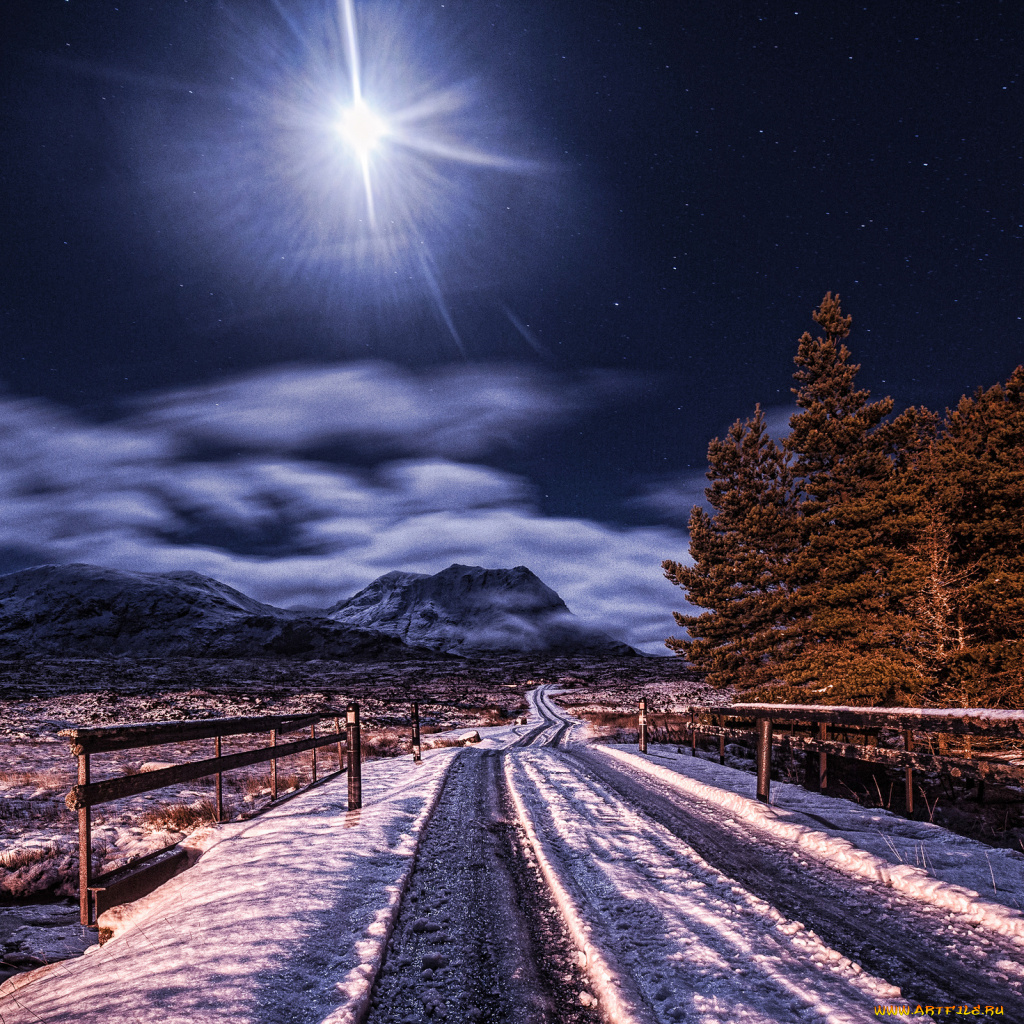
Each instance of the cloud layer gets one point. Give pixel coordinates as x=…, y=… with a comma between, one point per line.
x=219, y=479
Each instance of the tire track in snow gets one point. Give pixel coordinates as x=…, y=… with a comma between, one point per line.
x=934, y=956
x=477, y=939
x=669, y=927
x=555, y=722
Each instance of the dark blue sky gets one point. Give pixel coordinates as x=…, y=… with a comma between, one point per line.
x=699, y=176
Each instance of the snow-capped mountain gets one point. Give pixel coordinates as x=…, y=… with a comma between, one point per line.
x=86, y=611
x=466, y=609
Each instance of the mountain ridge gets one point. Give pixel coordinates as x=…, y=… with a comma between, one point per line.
x=466, y=609
x=81, y=610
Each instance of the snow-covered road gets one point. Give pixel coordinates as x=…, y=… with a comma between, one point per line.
x=930, y=954
x=538, y=879
x=678, y=938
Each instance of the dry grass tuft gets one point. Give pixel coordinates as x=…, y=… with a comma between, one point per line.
x=11, y=860
x=391, y=741
x=182, y=817
x=46, y=779
x=255, y=785
x=259, y=784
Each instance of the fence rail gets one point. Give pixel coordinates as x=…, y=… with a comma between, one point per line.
x=129, y=882
x=816, y=729
x=97, y=892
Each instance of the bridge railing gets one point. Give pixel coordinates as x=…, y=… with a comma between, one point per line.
x=99, y=892
x=891, y=737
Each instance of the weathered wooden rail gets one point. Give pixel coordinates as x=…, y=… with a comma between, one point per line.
x=826, y=730
x=97, y=893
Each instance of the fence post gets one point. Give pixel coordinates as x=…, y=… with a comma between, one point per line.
x=355, y=774
x=273, y=766
x=693, y=733
x=721, y=740
x=84, y=848
x=764, y=758
x=822, y=759
x=642, y=739
x=908, y=745
x=417, y=749
x=341, y=749
x=220, y=781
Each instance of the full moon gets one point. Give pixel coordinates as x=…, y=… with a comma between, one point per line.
x=362, y=128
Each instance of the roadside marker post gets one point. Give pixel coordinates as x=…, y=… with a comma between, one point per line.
x=764, y=758
x=417, y=749
x=355, y=770
x=84, y=847
x=823, y=759
x=220, y=782
x=643, y=725
x=908, y=743
x=273, y=766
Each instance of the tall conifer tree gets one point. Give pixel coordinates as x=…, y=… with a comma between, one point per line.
x=740, y=554
x=866, y=560
x=974, y=486
x=853, y=576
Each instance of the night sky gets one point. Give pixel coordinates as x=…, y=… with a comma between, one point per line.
x=586, y=240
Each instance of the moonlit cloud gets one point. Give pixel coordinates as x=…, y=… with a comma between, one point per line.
x=292, y=529
x=673, y=497
x=457, y=411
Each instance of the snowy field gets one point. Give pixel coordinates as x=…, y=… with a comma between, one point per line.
x=683, y=898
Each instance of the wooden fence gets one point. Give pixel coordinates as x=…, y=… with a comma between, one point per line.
x=97, y=893
x=907, y=739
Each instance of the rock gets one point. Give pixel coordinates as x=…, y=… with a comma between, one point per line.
x=470, y=737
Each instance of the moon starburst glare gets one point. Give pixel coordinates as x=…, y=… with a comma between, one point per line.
x=371, y=171
x=348, y=169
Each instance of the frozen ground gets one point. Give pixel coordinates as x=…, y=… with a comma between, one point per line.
x=553, y=882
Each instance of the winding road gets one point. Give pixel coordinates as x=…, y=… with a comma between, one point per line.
x=545, y=847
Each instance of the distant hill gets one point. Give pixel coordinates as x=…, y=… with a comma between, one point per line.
x=472, y=611
x=85, y=611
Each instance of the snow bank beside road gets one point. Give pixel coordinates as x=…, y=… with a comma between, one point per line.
x=869, y=843
x=293, y=908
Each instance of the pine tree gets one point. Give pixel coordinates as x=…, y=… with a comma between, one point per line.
x=740, y=552
x=854, y=577
x=973, y=483
x=868, y=559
